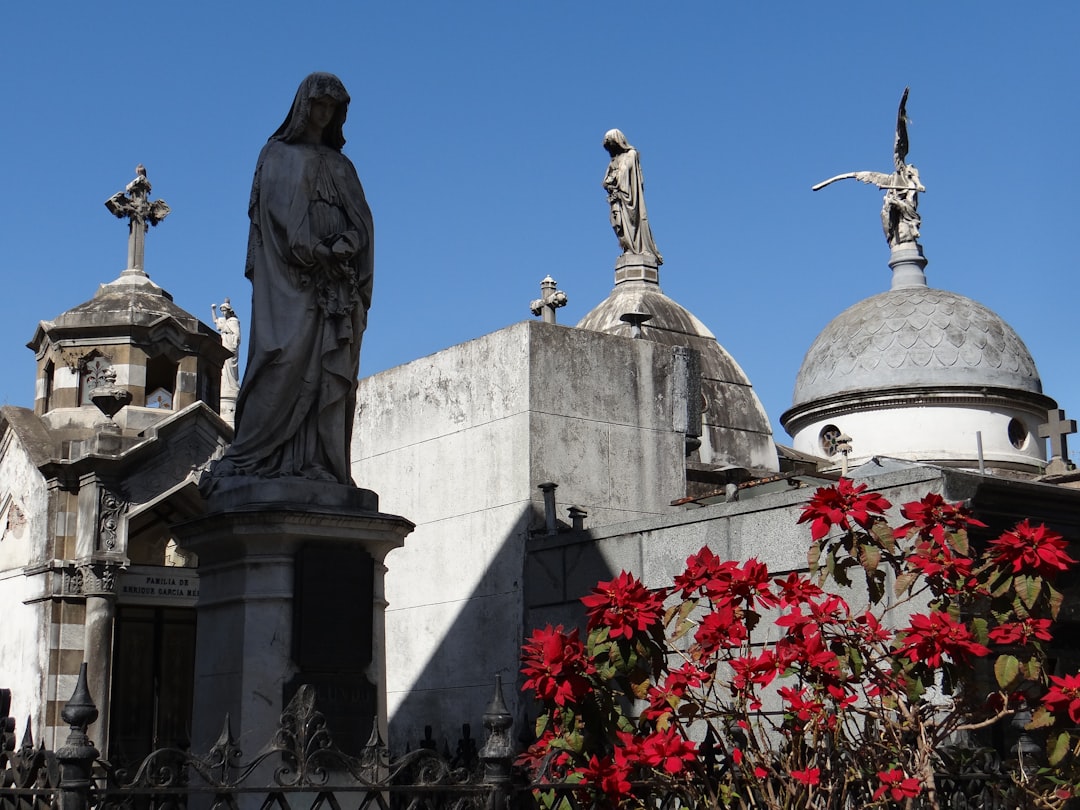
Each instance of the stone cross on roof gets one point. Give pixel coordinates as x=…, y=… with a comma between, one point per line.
x=1056, y=428
x=551, y=299
x=141, y=212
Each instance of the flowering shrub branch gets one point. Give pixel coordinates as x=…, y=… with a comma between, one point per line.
x=841, y=687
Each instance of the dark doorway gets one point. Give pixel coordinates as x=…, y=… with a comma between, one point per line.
x=153, y=671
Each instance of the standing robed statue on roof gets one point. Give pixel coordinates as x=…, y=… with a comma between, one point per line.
x=310, y=262
x=626, y=195
x=899, y=213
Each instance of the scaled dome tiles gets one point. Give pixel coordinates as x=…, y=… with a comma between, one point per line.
x=915, y=337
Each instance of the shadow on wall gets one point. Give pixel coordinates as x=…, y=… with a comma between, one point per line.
x=485, y=637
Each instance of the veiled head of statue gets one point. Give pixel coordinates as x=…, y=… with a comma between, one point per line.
x=614, y=138
x=317, y=85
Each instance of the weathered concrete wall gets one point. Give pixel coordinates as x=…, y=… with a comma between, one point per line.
x=24, y=647
x=458, y=442
x=561, y=570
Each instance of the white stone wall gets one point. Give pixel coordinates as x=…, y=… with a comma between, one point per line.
x=24, y=647
x=945, y=433
x=458, y=442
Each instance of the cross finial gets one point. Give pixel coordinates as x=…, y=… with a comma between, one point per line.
x=550, y=300
x=136, y=206
x=1056, y=428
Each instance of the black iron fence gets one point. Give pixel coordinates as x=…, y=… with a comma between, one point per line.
x=301, y=767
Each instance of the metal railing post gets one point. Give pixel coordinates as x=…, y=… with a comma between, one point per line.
x=497, y=755
x=78, y=755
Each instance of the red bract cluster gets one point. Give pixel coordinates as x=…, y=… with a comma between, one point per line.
x=555, y=666
x=808, y=776
x=668, y=750
x=1063, y=696
x=1034, y=549
x=835, y=506
x=933, y=516
x=624, y=606
x=898, y=786
x=1021, y=632
x=930, y=638
x=610, y=776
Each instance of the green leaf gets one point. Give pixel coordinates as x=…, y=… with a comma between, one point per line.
x=1040, y=718
x=856, y=660
x=869, y=557
x=639, y=684
x=813, y=557
x=980, y=628
x=1027, y=588
x=1002, y=586
x=1056, y=599
x=959, y=541
x=1033, y=669
x=1057, y=747
x=1007, y=671
x=904, y=582
x=883, y=533
x=875, y=586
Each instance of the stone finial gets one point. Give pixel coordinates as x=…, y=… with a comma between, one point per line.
x=141, y=212
x=899, y=213
x=550, y=300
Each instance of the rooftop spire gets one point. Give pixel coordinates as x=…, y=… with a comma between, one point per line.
x=141, y=212
x=900, y=210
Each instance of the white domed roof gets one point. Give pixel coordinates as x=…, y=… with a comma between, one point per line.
x=915, y=337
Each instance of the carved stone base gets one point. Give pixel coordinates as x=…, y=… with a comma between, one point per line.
x=637, y=267
x=289, y=594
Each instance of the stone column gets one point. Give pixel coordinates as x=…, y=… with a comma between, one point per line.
x=99, y=587
x=291, y=593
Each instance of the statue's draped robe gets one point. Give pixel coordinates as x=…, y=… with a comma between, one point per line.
x=626, y=196
x=294, y=414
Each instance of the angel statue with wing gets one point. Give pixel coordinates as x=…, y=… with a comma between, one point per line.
x=899, y=212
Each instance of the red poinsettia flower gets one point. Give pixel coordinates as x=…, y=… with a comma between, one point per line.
x=723, y=626
x=1021, y=632
x=624, y=605
x=1064, y=696
x=666, y=749
x=932, y=637
x=834, y=506
x=758, y=670
x=811, y=776
x=933, y=514
x=796, y=589
x=898, y=785
x=1031, y=549
x=555, y=666
x=701, y=569
x=609, y=776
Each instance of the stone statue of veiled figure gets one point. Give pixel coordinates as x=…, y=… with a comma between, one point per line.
x=626, y=196
x=310, y=264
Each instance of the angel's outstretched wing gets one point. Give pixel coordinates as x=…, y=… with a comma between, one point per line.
x=900, y=149
x=879, y=179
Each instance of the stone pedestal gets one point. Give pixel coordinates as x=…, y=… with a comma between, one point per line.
x=291, y=592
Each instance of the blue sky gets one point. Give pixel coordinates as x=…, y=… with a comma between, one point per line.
x=476, y=128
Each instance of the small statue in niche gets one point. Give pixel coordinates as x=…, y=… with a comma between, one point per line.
x=626, y=195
